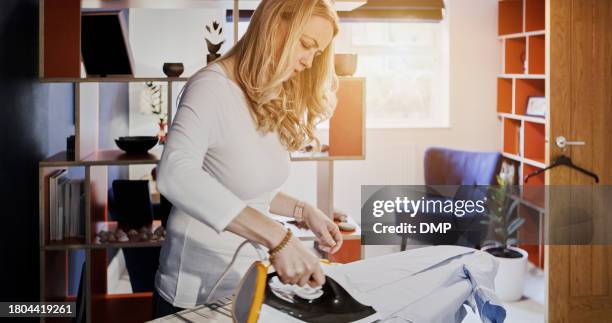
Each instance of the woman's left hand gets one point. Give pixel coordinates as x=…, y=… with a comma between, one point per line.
x=326, y=231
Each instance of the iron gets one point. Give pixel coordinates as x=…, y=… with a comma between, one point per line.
x=334, y=305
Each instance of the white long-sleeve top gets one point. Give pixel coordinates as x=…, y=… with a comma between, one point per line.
x=214, y=164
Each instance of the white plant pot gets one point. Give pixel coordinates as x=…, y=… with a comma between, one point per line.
x=510, y=277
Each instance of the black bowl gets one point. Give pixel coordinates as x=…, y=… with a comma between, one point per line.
x=173, y=69
x=136, y=144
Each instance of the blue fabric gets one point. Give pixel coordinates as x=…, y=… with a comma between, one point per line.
x=455, y=167
x=489, y=307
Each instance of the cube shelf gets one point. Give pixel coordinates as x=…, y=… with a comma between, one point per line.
x=535, y=15
x=60, y=61
x=504, y=95
x=512, y=136
x=534, y=144
x=510, y=17
x=522, y=33
x=57, y=286
x=515, y=55
x=524, y=88
x=536, y=59
x=516, y=164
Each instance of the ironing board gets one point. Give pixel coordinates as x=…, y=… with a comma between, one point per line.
x=218, y=312
x=428, y=284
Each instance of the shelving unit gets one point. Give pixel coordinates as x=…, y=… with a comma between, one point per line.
x=59, y=61
x=346, y=142
x=521, y=30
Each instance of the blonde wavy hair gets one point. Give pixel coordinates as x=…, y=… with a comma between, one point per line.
x=290, y=106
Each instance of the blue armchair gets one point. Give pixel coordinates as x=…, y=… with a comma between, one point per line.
x=463, y=169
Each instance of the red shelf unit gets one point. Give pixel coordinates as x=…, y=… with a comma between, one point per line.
x=522, y=32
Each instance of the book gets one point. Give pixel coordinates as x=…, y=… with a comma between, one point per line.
x=54, y=203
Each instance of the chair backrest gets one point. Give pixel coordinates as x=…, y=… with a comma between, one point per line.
x=455, y=167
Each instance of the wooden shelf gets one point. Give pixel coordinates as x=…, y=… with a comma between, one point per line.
x=522, y=35
x=107, y=157
x=73, y=243
x=112, y=226
x=79, y=243
x=522, y=32
x=527, y=161
x=112, y=79
x=534, y=163
x=522, y=76
x=539, y=120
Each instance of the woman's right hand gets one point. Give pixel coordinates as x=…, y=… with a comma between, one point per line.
x=295, y=264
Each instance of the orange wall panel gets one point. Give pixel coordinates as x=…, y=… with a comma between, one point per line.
x=510, y=17
x=61, y=38
x=537, y=54
x=515, y=55
x=512, y=135
x=346, y=127
x=535, y=15
x=504, y=95
x=535, y=141
x=349, y=252
x=524, y=89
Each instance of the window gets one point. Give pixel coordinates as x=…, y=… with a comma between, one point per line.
x=406, y=66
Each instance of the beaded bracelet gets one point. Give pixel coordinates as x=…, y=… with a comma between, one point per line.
x=273, y=252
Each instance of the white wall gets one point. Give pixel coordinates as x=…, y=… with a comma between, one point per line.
x=394, y=156
x=167, y=35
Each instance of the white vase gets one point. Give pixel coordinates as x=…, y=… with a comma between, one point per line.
x=510, y=277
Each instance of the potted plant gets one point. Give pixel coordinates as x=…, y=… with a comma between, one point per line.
x=504, y=222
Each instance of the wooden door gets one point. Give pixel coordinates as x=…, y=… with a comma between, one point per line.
x=579, y=277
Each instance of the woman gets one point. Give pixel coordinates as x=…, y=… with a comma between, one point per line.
x=227, y=155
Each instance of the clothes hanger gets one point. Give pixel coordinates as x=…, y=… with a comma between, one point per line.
x=563, y=161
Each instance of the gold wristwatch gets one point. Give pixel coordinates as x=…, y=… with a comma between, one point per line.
x=298, y=211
